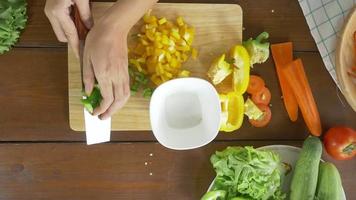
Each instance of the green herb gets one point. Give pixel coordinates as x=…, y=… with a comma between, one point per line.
x=12, y=20
x=139, y=81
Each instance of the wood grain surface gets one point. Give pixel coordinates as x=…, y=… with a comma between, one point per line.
x=42, y=158
x=257, y=17
x=118, y=171
x=217, y=28
x=34, y=88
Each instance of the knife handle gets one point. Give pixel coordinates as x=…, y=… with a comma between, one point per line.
x=81, y=28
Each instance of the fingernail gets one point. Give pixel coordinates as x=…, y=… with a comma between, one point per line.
x=101, y=117
x=87, y=90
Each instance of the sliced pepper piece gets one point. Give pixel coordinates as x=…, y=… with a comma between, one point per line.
x=219, y=70
x=232, y=111
x=251, y=110
x=241, y=63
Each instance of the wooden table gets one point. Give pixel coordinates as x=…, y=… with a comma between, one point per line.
x=41, y=158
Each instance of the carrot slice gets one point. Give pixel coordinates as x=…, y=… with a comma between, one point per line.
x=297, y=79
x=255, y=85
x=282, y=55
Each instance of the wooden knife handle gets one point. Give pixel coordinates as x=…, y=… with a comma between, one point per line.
x=81, y=28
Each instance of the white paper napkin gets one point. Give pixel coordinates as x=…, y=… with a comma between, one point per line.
x=326, y=19
x=97, y=131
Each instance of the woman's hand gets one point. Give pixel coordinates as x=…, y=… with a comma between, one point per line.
x=105, y=58
x=105, y=54
x=58, y=13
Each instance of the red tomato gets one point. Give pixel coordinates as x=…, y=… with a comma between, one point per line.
x=265, y=119
x=256, y=84
x=262, y=97
x=340, y=142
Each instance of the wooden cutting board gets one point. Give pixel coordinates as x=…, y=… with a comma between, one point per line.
x=218, y=28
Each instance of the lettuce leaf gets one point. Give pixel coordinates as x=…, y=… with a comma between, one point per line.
x=248, y=173
x=12, y=20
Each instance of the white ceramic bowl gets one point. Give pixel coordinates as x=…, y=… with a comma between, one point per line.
x=185, y=113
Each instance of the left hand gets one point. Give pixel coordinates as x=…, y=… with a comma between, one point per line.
x=105, y=58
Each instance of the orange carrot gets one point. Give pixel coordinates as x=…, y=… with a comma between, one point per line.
x=282, y=55
x=296, y=77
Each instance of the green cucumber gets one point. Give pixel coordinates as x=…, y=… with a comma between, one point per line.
x=329, y=183
x=305, y=176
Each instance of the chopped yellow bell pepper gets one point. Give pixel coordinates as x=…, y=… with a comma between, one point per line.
x=232, y=111
x=184, y=73
x=180, y=21
x=241, y=63
x=162, y=47
x=219, y=70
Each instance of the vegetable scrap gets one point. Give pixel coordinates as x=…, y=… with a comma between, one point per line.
x=13, y=19
x=163, y=46
x=219, y=70
x=257, y=48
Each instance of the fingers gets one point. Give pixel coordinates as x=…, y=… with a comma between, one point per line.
x=88, y=76
x=106, y=89
x=121, y=94
x=58, y=31
x=70, y=31
x=85, y=13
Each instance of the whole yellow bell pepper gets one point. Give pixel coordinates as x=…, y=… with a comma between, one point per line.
x=241, y=73
x=232, y=111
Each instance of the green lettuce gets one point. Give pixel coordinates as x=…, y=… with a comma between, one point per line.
x=247, y=173
x=12, y=20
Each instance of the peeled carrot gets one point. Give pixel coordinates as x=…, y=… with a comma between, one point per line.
x=297, y=79
x=282, y=55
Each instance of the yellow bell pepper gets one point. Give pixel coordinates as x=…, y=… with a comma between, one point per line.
x=241, y=63
x=219, y=70
x=232, y=111
x=162, y=47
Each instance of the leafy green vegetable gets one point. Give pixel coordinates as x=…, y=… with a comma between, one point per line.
x=92, y=101
x=247, y=173
x=257, y=49
x=12, y=20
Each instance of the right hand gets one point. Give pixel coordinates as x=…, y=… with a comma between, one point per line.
x=58, y=13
